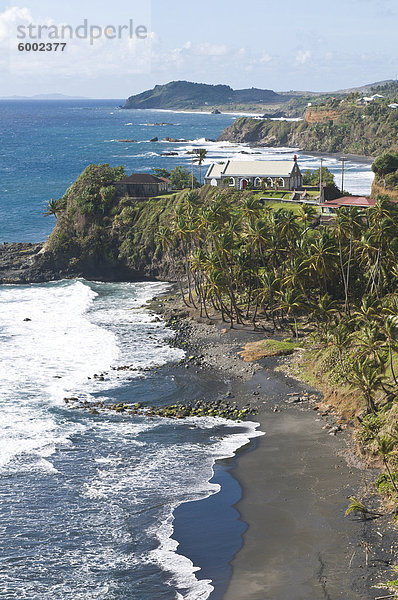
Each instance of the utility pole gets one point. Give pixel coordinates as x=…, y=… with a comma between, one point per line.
x=192, y=174
x=321, y=182
x=343, y=159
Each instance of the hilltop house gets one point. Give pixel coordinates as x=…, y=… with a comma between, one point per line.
x=369, y=99
x=238, y=174
x=142, y=185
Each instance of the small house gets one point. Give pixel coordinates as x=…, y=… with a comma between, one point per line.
x=256, y=174
x=330, y=207
x=142, y=185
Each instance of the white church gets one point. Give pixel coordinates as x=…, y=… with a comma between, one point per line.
x=271, y=174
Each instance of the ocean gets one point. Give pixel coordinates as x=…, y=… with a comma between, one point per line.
x=45, y=145
x=107, y=506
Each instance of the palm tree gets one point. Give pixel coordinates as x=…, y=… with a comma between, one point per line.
x=366, y=377
x=341, y=336
x=325, y=312
x=296, y=274
x=370, y=343
x=291, y=302
x=322, y=258
x=369, y=310
x=54, y=206
x=386, y=446
x=348, y=225
x=390, y=332
x=192, y=197
x=201, y=155
x=286, y=226
x=306, y=213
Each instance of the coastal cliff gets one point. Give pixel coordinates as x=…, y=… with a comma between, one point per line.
x=99, y=235
x=379, y=190
x=337, y=126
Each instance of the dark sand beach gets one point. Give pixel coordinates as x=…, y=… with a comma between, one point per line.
x=295, y=482
x=295, y=489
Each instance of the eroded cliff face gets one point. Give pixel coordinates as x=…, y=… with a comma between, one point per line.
x=320, y=116
x=378, y=189
x=264, y=132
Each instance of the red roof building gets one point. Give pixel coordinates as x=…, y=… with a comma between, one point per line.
x=330, y=206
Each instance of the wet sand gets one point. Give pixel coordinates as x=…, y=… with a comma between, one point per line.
x=299, y=544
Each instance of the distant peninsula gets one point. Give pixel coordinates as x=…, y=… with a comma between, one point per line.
x=185, y=95
x=44, y=97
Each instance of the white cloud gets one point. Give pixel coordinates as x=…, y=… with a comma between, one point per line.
x=207, y=49
x=303, y=56
x=103, y=57
x=10, y=18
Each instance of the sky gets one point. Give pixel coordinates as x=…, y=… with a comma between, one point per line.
x=289, y=45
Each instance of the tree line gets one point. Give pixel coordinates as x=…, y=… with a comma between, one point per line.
x=253, y=264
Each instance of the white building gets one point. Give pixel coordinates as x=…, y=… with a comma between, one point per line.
x=238, y=174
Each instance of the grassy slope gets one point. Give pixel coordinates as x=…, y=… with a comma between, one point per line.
x=322, y=368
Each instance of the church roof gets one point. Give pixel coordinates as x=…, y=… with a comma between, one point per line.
x=251, y=168
x=259, y=168
x=215, y=170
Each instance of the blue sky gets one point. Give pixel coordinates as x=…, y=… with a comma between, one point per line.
x=307, y=45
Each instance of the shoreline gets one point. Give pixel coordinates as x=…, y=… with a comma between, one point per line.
x=312, y=474
x=358, y=158
x=352, y=157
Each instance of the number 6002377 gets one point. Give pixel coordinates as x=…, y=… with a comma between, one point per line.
x=42, y=47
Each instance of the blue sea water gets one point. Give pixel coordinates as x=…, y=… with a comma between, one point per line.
x=104, y=506
x=44, y=146
x=88, y=501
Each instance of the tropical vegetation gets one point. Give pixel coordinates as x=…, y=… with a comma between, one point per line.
x=332, y=287
x=180, y=177
x=337, y=125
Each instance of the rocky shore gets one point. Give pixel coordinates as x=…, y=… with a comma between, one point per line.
x=26, y=263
